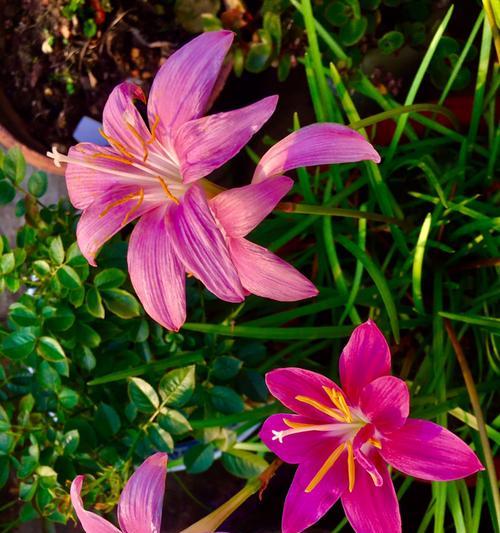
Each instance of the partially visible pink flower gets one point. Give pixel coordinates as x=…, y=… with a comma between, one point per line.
x=140, y=505
x=343, y=438
x=153, y=172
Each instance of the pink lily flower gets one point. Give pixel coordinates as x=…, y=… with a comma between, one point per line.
x=140, y=505
x=343, y=438
x=155, y=173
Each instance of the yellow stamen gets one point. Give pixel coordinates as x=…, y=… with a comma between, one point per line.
x=376, y=443
x=325, y=468
x=113, y=158
x=296, y=425
x=135, y=207
x=153, y=130
x=167, y=190
x=344, y=408
x=351, y=468
x=137, y=135
x=320, y=407
x=339, y=402
x=117, y=144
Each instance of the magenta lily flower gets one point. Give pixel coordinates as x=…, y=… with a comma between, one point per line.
x=343, y=438
x=140, y=505
x=155, y=172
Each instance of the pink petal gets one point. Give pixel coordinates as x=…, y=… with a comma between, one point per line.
x=427, y=451
x=265, y=274
x=156, y=273
x=385, y=402
x=285, y=384
x=201, y=248
x=101, y=220
x=303, y=509
x=204, y=144
x=299, y=447
x=241, y=209
x=91, y=522
x=120, y=116
x=317, y=144
x=365, y=357
x=182, y=88
x=372, y=509
x=141, y=501
x=85, y=185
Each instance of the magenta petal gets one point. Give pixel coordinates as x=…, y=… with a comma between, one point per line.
x=201, y=248
x=318, y=144
x=120, y=118
x=428, y=451
x=183, y=86
x=265, y=274
x=295, y=448
x=241, y=209
x=156, y=273
x=303, y=509
x=104, y=217
x=91, y=522
x=385, y=402
x=141, y=501
x=204, y=144
x=372, y=509
x=365, y=357
x=285, y=384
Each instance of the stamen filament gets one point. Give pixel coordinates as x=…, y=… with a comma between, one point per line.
x=137, y=135
x=134, y=208
x=332, y=459
x=113, y=158
x=153, y=130
x=123, y=200
x=376, y=443
x=351, y=467
x=339, y=401
x=116, y=144
x=167, y=190
x=320, y=407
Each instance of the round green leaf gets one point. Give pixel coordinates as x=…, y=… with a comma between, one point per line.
x=353, y=30
x=176, y=387
x=68, y=277
x=37, y=184
x=244, y=464
x=94, y=303
x=121, y=303
x=110, y=278
x=50, y=349
x=226, y=400
x=143, y=395
x=161, y=439
x=18, y=344
x=199, y=458
x=391, y=42
x=174, y=422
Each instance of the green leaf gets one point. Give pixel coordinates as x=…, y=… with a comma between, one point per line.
x=68, y=397
x=68, y=277
x=27, y=491
x=107, y=420
x=50, y=349
x=59, y=318
x=48, y=377
x=88, y=336
x=94, y=303
x=4, y=420
x=391, y=41
x=199, y=458
x=7, y=192
x=174, y=422
x=7, y=263
x=225, y=367
x=18, y=345
x=56, y=250
x=4, y=470
x=252, y=384
x=15, y=165
x=22, y=315
x=41, y=268
x=176, y=387
x=121, y=303
x=353, y=31
x=70, y=442
x=37, y=184
x=161, y=439
x=110, y=278
x=143, y=395
x=258, y=57
x=244, y=464
x=226, y=400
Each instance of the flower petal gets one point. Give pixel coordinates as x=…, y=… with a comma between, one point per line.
x=386, y=402
x=295, y=448
x=204, y=144
x=365, y=357
x=303, y=509
x=428, y=451
x=265, y=274
x=156, y=274
x=317, y=144
x=141, y=501
x=372, y=509
x=91, y=522
x=106, y=216
x=121, y=119
x=201, y=248
x=241, y=209
x=182, y=88
x=285, y=384
x=85, y=185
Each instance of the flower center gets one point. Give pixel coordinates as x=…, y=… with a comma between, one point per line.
x=345, y=425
